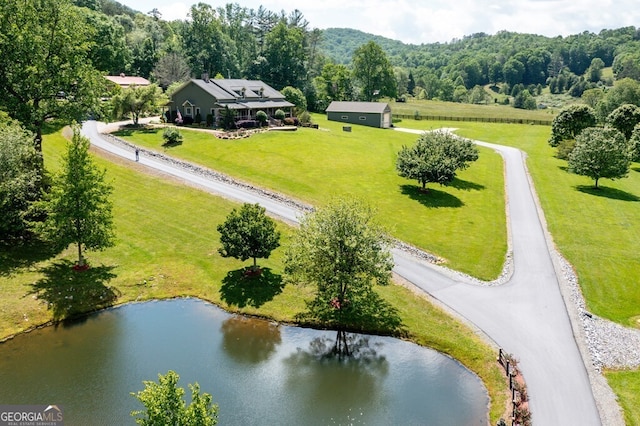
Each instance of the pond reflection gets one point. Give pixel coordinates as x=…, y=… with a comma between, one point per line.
x=259, y=373
x=350, y=381
x=249, y=341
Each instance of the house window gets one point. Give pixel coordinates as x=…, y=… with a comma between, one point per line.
x=362, y=118
x=344, y=117
x=188, y=111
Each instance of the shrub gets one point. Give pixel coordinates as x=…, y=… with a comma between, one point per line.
x=291, y=121
x=187, y=121
x=246, y=124
x=209, y=120
x=262, y=117
x=565, y=148
x=305, y=117
x=279, y=114
x=171, y=136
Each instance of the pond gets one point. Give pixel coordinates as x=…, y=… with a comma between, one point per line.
x=258, y=372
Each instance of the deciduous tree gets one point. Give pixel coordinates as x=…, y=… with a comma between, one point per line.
x=285, y=55
x=343, y=253
x=21, y=181
x=79, y=208
x=436, y=157
x=296, y=97
x=45, y=65
x=164, y=404
x=600, y=153
x=570, y=122
x=624, y=118
x=372, y=69
x=171, y=68
x=248, y=233
x=137, y=100
x=634, y=144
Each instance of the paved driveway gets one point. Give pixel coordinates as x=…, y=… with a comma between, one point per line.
x=526, y=316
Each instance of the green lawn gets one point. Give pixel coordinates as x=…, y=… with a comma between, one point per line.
x=626, y=385
x=597, y=231
x=456, y=109
x=167, y=247
x=463, y=223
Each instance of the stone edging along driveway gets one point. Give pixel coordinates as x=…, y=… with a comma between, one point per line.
x=526, y=315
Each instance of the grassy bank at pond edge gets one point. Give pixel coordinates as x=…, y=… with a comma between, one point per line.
x=167, y=247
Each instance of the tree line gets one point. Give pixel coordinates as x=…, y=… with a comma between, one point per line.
x=508, y=60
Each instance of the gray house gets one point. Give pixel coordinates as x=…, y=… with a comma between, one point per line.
x=211, y=96
x=374, y=114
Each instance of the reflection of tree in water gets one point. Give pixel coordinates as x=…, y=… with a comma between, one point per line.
x=250, y=340
x=348, y=347
x=338, y=379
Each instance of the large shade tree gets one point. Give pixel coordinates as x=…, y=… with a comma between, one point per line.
x=600, y=153
x=137, y=100
x=21, y=181
x=436, y=157
x=373, y=71
x=570, y=122
x=343, y=253
x=45, y=65
x=248, y=233
x=80, y=210
x=625, y=118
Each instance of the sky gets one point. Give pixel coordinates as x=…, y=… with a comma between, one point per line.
x=430, y=21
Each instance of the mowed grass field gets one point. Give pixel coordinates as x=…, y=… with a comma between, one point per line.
x=464, y=223
x=454, y=109
x=598, y=231
x=167, y=247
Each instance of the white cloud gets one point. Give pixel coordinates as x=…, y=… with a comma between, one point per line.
x=438, y=20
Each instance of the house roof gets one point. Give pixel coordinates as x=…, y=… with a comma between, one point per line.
x=213, y=89
x=127, y=80
x=366, y=107
x=240, y=93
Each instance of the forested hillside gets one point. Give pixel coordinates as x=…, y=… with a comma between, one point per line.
x=281, y=48
x=564, y=64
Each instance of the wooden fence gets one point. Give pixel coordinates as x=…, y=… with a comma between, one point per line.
x=516, y=397
x=476, y=119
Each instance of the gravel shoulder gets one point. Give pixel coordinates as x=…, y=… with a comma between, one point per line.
x=602, y=344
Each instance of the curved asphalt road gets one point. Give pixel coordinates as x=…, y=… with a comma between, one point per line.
x=526, y=317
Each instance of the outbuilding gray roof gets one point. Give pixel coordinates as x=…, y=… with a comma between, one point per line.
x=365, y=107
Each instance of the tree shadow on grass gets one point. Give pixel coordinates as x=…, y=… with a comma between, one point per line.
x=465, y=185
x=612, y=193
x=24, y=255
x=240, y=289
x=431, y=197
x=636, y=169
x=70, y=293
x=130, y=129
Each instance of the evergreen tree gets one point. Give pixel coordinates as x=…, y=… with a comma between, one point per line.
x=79, y=209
